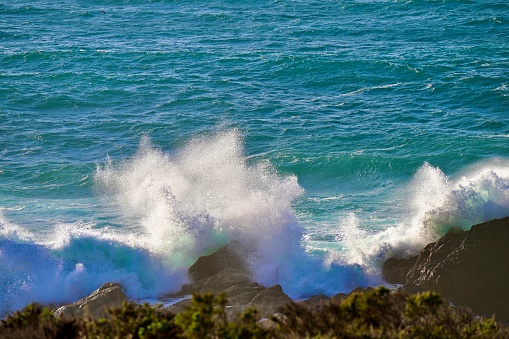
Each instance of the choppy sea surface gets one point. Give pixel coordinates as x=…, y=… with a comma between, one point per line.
x=137, y=135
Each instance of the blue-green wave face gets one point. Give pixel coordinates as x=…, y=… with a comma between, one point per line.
x=136, y=136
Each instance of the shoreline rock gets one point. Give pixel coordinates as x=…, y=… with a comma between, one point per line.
x=95, y=305
x=226, y=271
x=468, y=268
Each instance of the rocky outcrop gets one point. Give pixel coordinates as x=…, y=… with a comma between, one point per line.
x=95, y=305
x=394, y=270
x=226, y=271
x=469, y=268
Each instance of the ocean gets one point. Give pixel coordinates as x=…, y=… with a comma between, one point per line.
x=138, y=135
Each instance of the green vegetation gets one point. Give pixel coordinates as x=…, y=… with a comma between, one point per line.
x=379, y=313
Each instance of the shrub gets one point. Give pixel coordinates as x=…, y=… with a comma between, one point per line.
x=206, y=318
x=379, y=313
x=134, y=321
x=35, y=322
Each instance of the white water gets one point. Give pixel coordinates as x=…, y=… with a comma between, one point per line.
x=183, y=205
x=435, y=203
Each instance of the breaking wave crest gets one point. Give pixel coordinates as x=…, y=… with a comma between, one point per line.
x=435, y=203
x=72, y=262
x=177, y=207
x=206, y=196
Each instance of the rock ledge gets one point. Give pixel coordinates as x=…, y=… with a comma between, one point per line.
x=468, y=268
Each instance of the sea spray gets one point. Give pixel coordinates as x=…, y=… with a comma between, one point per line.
x=435, y=202
x=72, y=263
x=176, y=209
x=178, y=206
x=206, y=195
x=201, y=198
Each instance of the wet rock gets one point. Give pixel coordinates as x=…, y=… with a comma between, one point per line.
x=469, y=268
x=225, y=271
x=228, y=257
x=316, y=301
x=270, y=299
x=95, y=305
x=394, y=270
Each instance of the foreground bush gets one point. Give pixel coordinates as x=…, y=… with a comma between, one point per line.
x=381, y=313
x=378, y=313
x=34, y=321
x=133, y=321
x=206, y=318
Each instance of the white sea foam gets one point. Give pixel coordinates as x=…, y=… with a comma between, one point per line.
x=436, y=202
x=76, y=261
x=205, y=196
x=180, y=207
x=189, y=203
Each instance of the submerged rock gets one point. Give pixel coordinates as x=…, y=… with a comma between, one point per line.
x=469, y=268
x=95, y=305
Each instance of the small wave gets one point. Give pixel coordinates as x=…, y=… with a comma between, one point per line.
x=502, y=88
x=365, y=89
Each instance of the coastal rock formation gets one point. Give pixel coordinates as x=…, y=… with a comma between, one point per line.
x=225, y=271
x=469, y=268
x=95, y=305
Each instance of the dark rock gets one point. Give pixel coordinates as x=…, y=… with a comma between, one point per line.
x=243, y=294
x=394, y=270
x=270, y=299
x=338, y=297
x=434, y=254
x=230, y=256
x=179, y=307
x=95, y=305
x=468, y=268
x=268, y=324
x=226, y=271
x=360, y=290
x=316, y=301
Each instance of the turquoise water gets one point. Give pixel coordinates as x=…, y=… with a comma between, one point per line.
x=136, y=136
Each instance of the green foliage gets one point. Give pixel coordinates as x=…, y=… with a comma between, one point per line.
x=421, y=304
x=134, y=321
x=34, y=322
x=203, y=315
x=379, y=313
x=207, y=318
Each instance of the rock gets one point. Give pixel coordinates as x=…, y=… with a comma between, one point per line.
x=469, y=268
x=223, y=280
x=338, y=297
x=179, y=307
x=268, y=324
x=226, y=271
x=270, y=299
x=316, y=301
x=360, y=290
x=95, y=305
x=394, y=270
x=230, y=256
x=243, y=294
